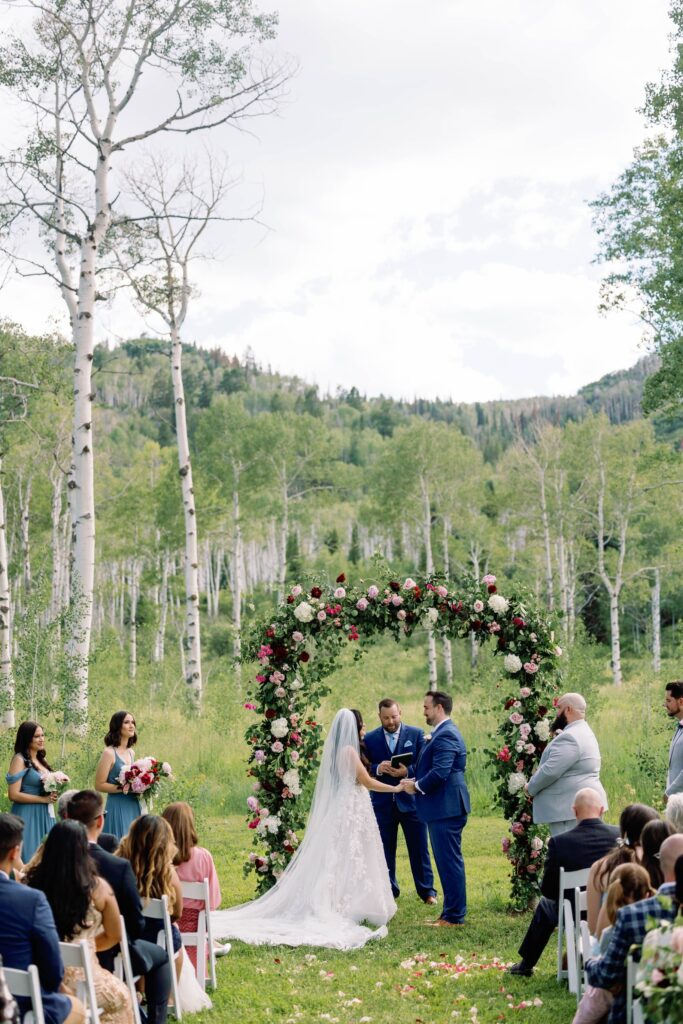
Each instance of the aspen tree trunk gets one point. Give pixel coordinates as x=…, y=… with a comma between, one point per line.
x=447, y=651
x=24, y=526
x=193, y=664
x=6, y=679
x=617, y=677
x=160, y=636
x=655, y=600
x=57, y=481
x=429, y=559
x=133, y=592
x=571, y=592
x=613, y=587
x=237, y=578
x=284, y=536
x=547, y=546
x=476, y=571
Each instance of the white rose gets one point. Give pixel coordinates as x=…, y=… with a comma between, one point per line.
x=536, y=843
x=498, y=604
x=516, y=782
x=303, y=612
x=542, y=730
x=558, y=652
x=511, y=663
x=519, y=746
x=432, y=616
x=279, y=728
x=295, y=684
x=291, y=781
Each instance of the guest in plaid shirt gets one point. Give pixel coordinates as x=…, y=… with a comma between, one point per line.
x=630, y=929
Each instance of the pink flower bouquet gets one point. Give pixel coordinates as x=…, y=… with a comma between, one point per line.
x=144, y=776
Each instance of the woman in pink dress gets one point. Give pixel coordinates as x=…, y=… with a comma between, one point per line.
x=193, y=864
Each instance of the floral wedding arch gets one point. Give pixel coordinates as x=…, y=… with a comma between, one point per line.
x=300, y=647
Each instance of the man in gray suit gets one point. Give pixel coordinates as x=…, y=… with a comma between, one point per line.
x=570, y=763
x=673, y=702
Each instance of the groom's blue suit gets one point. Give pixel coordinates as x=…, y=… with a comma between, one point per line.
x=443, y=803
x=392, y=810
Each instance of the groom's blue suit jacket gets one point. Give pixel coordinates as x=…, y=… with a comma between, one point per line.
x=410, y=740
x=440, y=774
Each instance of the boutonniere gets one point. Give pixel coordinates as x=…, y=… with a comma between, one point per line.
x=428, y=737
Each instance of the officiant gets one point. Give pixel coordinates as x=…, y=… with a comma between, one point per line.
x=403, y=743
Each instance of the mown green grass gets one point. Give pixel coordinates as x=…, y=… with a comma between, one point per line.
x=257, y=984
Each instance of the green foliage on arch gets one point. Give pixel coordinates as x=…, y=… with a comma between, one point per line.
x=300, y=647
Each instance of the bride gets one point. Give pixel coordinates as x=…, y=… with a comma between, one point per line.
x=338, y=876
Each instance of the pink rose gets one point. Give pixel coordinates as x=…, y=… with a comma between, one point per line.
x=137, y=785
x=294, y=718
x=442, y=591
x=321, y=616
x=494, y=628
x=400, y=614
x=409, y=584
x=516, y=718
x=294, y=755
x=249, y=707
x=260, y=756
x=252, y=803
x=280, y=692
x=524, y=730
x=488, y=579
x=297, y=637
x=530, y=748
x=517, y=828
x=296, y=590
x=676, y=941
x=362, y=604
x=505, y=843
x=373, y=591
x=525, y=692
x=520, y=765
x=397, y=601
x=532, y=868
x=531, y=668
x=478, y=606
x=340, y=593
x=277, y=747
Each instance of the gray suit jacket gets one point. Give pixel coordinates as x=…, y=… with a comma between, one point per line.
x=674, y=779
x=570, y=763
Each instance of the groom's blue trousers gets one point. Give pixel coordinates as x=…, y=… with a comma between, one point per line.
x=445, y=836
x=415, y=833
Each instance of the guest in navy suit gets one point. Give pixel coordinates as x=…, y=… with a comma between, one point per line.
x=393, y=737
x=28, y=934
x=443, y=803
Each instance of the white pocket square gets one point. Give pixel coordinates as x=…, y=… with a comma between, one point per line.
x=408, y=743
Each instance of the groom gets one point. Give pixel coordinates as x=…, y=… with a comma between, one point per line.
x=393, y=737
x=443, y=802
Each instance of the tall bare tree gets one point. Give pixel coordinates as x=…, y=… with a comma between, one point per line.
x=98, y=79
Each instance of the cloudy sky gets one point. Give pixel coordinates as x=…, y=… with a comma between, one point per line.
x=425, y=190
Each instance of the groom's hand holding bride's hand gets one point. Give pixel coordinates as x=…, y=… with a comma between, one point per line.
x=407, y=785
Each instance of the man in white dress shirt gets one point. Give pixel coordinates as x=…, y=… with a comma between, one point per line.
x=673, y=702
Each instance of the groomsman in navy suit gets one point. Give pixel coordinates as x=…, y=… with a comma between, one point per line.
x=442, y=801
x=393, y=737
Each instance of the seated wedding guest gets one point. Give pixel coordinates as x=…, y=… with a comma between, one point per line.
x=630, y=928
x=674, y=811
x=150, y=849
x=578, y=848
x=62, y=803
x=28, y=934
x=84, y=907
x=193, y=864
x=632, y=821
x=148, y=959
x=661, y=935
x=630, y=883
x=651, y=839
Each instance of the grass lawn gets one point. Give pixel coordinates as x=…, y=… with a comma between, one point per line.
x=377, y=984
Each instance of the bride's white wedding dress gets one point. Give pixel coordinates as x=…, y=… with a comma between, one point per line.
x=338, y=877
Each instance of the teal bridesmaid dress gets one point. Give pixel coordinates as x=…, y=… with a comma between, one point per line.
x=122, y=808
x=36, y=817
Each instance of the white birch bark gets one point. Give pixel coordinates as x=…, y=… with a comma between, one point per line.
x=475, y=559
x=56, y=588
x=160, y=635
x=133, y=595
x=447, y=651
x=429, y=561
x=237, y=581
x=655, y=602
x=284, y=535
x=6, y=677
x=193, y=663
x=613, y=587
x=24, y=491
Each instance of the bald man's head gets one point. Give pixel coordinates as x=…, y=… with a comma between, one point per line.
x=670, y=850
x=588, y=804
x=572, y=702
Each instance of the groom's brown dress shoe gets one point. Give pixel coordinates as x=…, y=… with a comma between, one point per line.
x=440, y=923
x=430, y=901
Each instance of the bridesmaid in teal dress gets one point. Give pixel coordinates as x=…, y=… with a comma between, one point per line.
x=118, y=753
x=25, y=790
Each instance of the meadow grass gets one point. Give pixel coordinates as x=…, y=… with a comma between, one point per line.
x=306, y=985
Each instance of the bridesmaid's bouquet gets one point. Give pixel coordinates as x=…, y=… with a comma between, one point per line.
x=144, y=776
x=54, y=782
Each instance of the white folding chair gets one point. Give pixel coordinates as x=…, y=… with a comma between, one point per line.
x=77, y=954
x=157, y=910
x=124, y=969
x=568, y=880
x=570, y=931
x=203, y=937
x=27, y=984
x=583, y=939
